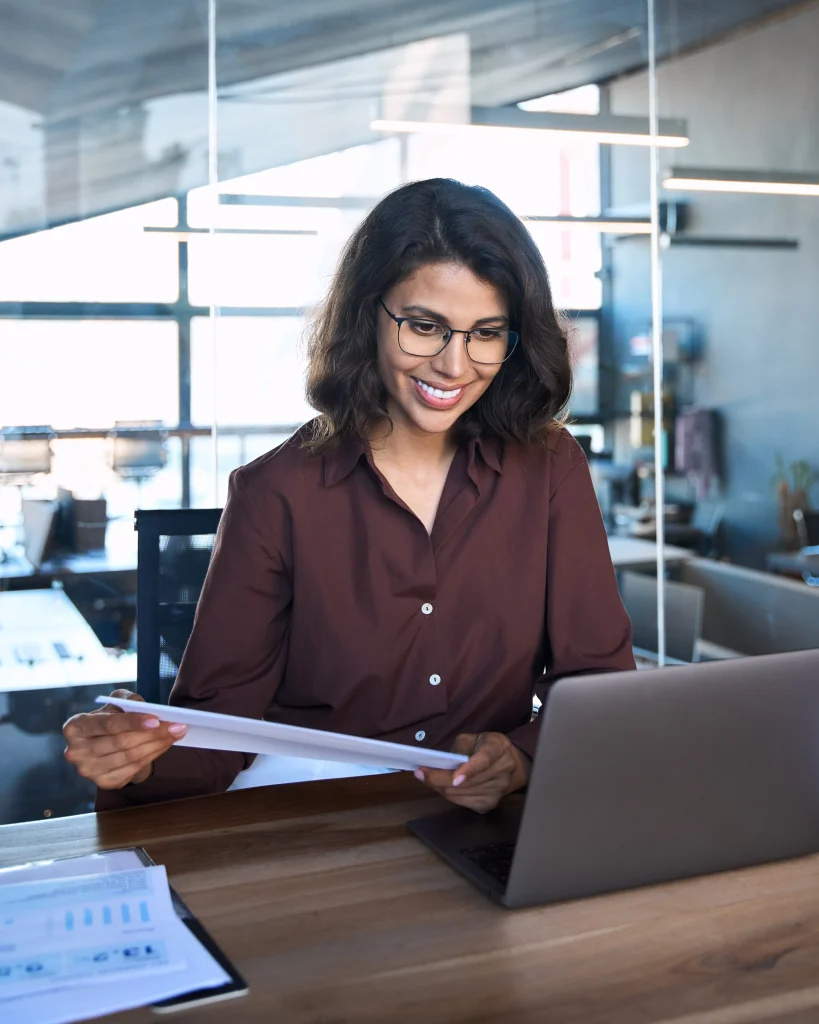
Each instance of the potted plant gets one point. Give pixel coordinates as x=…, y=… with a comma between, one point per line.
x=792, y=485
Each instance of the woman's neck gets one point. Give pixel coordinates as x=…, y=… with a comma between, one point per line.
x=403, y=446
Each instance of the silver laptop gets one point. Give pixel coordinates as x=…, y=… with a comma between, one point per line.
x=644, y=777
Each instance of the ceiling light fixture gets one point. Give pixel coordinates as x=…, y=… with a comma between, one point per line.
x=773, y=183
x=609, y=129
x=607, y=225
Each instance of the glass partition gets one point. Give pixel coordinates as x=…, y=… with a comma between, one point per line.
x=103, y=130
x=737, y=263
x=173, y=202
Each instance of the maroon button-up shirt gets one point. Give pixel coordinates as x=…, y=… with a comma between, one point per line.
x=328, y=605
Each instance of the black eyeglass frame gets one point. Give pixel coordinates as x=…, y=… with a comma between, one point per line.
x=512, y=338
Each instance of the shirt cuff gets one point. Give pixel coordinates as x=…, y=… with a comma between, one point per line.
x=178, y=773
x=525, y=737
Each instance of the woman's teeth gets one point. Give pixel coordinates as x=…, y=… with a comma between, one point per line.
x=436, y=392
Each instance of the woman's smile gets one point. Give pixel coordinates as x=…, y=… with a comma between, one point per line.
x=438, y=396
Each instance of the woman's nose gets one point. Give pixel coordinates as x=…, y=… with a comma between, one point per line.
x=453, y=361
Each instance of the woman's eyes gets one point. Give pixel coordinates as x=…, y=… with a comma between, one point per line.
x=479, y=334
x=426, y=327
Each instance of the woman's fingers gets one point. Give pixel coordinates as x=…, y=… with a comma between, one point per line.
x=495, y=767
x=110, y=747
x=101, y=763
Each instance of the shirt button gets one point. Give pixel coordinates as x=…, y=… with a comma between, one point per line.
x=420, y=735
x=435, y=679
x=426, y=609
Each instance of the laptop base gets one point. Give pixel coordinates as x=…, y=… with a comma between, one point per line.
x=461, y=836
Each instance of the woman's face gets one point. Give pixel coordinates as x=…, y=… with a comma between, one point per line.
x=450, y=295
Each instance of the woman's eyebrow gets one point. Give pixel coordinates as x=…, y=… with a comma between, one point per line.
x=425, y=311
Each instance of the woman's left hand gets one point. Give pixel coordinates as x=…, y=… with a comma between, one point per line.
x=495, y=767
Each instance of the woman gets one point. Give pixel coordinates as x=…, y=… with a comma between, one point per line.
x=427, y=555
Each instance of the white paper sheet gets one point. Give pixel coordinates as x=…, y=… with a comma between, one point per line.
x=75, y=946
x=250, y=736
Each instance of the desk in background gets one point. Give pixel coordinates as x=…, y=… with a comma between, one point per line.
x=333, y=912
x=795, y=564
x=46, y=643
x=118, y=556
x=631, y=551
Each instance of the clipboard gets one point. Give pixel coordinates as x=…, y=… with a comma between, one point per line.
x=134, y=857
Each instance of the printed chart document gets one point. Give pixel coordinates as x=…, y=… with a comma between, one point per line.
x=251, y=736
x=80, y=946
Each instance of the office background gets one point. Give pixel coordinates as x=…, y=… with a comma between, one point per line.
x=177, y=180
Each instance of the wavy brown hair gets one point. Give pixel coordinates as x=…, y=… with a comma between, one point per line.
x=438, y=221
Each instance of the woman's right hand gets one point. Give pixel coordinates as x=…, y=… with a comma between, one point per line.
x=112, y=747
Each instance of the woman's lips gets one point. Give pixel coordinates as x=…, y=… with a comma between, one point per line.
x=438, y=398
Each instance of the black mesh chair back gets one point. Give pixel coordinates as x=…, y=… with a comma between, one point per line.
x=174, y=552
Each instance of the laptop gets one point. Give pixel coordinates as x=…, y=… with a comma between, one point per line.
x=645, y=777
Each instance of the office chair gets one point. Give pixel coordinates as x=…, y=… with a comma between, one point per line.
x=138, y=450
x=807, y=527
x=701, y=534
x=25, y=452
x=174, y=549
x=174, y=552
x=684, y=605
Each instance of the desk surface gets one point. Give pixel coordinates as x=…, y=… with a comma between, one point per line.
x=334, y=913
x=633, y=551
x=119, y=555
x=793, y=563
x=45, y=642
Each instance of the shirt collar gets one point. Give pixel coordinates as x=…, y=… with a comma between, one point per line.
x=340, y=461
x=491, y=451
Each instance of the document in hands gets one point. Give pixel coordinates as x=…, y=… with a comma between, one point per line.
x=252, y=736
x=79, y=946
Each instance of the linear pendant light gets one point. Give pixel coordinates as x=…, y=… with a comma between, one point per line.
x=606, y=225
x=709, y=179
x=609, y=129
x=614, y=225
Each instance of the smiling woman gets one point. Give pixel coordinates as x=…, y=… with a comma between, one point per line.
x=461, y=244
x=425, y=557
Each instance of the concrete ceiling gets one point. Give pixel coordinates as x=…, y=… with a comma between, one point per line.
x=73, y=57
x=88, y=70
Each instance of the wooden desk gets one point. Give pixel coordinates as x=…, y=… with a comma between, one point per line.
x=334, y=913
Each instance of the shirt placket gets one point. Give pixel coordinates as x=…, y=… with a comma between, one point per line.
x=432, y=673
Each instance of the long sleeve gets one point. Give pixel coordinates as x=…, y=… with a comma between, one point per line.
x=587, y=627
x=236, y=654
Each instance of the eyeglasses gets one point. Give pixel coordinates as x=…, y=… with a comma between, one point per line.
x=426, y=338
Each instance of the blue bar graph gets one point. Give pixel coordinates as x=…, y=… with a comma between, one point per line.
x=106, y=915
x=126, y=913
x=88, y=917
x=69, y=921
x=143, y=911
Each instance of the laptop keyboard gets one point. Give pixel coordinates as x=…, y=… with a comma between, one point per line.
x=495, y=860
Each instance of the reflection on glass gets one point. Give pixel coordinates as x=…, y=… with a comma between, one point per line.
x=739, y=402
x=260, y=369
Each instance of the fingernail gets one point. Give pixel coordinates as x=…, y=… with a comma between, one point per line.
x=177, y=730
x=418, y=774
x=458, y=780
x=151, y=723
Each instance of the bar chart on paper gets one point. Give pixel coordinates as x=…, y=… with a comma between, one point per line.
x=107, y=914
x=93, y=926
